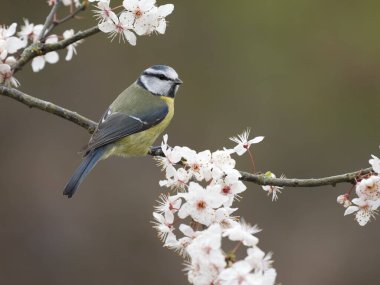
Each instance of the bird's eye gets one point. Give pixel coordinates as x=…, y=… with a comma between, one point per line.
x=162, y=77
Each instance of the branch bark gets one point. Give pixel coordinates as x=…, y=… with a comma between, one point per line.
x=259, y=179
x=49, y=19
x=51, y=108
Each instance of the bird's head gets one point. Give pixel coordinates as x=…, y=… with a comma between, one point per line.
x=161, y=80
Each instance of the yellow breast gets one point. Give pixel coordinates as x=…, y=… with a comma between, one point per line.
x=138, y=144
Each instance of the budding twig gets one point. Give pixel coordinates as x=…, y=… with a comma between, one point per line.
x=70, y=16
x=260, y=179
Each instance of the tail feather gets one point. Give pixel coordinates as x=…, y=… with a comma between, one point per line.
x=87, y=164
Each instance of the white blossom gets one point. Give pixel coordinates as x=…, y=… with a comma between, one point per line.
x=243, y=144
x=138, y=10
x=198, y=163
x=200, y=203
x=118, y=26
x=222, y=160
x=258, y=259
x=365, y=210
x=207, y=246
x=375, y=162
x=168, y=204
x=181, y=244
x=163, y=224
x=344, y=200
x=209, y=207
x=171, y=157
x=240, y=273
x=272, y=190
x=9, y=44
x=38, y=63
x=71, y=49
x=207, y=259
x=142, y=17
x=231, y=186
x=26, y=31
x=369, y=188
x=104, y=11
x=154, y=20
x=222, y=216
x=6, y=76
x=177, y=179
x=243, y=232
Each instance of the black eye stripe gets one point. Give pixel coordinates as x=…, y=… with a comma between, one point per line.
x=158, y=75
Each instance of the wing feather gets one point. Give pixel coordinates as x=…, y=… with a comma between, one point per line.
x=117, y=125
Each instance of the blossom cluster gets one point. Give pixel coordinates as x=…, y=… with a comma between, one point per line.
x=12, y=44
x=197, y=218
x=139, y=17
x=9, y=45
x=368, y=195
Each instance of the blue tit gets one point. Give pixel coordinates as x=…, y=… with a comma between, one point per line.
x=133, y=122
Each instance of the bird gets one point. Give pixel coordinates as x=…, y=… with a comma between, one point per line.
x=132, y=122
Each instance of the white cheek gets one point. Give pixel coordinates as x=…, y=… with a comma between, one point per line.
x=164, y=87
x=157, y=86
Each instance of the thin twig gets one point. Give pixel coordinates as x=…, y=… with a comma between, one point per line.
x=49, y=19
x=70, y=16
x=37, y=48
x=260, y=179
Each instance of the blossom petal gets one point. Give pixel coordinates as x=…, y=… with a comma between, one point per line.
x=11, y=30
x=165, y=10
x=38, y=63
x=130, y=5
x=147, y=5
x=256, y=140
x=240, y=149
x=161, y=28
x=127, y=19
x=52, y=57
x=351, y=210
x=131, y=37
x=14, y=44
x=70, y=53
x=363, y=217
x=106, y=26
x=375, y=162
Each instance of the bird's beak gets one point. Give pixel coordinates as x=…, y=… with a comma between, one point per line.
x=178, y=81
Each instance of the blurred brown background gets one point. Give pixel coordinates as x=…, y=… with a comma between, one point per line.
x=306, y=74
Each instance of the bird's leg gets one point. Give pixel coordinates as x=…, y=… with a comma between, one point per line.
x=156, y=151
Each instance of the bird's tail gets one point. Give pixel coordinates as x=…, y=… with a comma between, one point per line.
x=87, y=164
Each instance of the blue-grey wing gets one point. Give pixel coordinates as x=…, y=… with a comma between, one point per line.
x=115, y=126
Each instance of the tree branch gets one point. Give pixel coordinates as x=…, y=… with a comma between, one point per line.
x=49, y=19
x=259, y=179
x=38, y=48
x=46, y=106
